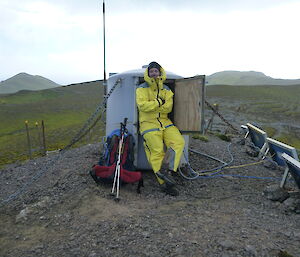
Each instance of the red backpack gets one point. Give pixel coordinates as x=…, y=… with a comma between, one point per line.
x=105, y=171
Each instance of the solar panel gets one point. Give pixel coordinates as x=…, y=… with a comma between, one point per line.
x=276, y=149
x=258, y=138
x=293, y=167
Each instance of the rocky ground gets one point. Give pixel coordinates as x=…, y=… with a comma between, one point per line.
x=65, y=213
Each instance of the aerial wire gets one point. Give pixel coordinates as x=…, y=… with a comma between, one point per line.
x=104, y=48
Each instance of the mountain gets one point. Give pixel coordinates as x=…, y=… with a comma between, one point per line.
x=24, y=81
x=247, y=78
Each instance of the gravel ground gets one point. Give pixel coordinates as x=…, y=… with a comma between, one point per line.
x=64, y=213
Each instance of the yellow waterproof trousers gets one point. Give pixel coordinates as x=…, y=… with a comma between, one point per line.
x=154, y=147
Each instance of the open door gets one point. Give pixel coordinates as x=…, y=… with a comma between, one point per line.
x=188, y=107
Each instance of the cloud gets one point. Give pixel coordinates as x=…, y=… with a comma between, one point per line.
x=216, y=6
x=36, y=31
x=209, y=42
x=62, y=40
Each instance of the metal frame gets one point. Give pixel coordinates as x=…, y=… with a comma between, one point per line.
x=291, y=161
x=285, y=149
x=252, y=128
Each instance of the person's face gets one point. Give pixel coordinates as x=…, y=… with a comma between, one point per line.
x=153, y=73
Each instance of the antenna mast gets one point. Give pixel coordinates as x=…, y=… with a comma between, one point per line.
x=104, y=56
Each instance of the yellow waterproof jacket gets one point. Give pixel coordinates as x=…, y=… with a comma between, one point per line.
x=153, y=113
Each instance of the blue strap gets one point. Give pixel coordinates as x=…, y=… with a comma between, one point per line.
x=155, y=129
x=149, y=130
x=169, y=125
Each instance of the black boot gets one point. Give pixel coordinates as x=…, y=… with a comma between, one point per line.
x=176, y=175
x=166, y=175
x=170, y=190
x=178, y=178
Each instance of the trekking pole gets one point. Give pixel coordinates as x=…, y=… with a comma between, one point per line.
x=117, y=171
x=123, y=130
x=116, y=183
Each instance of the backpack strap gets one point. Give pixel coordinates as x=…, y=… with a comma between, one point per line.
x=128, y=153
x=113, y=149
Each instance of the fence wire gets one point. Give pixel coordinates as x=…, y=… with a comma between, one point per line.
x=86, y=129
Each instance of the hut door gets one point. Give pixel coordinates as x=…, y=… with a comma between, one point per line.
x=188, y=107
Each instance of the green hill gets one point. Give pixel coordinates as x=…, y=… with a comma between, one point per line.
x=24, y=81
x=64, y=110
x=274, y=108
x=247, y=78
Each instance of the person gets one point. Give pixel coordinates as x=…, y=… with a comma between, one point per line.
x=155, y=101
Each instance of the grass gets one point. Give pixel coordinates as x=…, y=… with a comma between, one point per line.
x=289, y=139
x=29, y=97
x=271, y=132
x=268, y=101
x=275, y=108
x=64, y=111
x=224, y=137
x=200, y=137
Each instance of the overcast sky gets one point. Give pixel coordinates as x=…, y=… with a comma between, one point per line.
x=63, y=39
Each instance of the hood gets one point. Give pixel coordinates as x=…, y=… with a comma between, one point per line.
x=158, y=81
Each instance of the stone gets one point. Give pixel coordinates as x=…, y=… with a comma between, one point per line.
x=297, y=234
x=270, y=165
x=145, y=234
x=275, y=193
x=251, y=250
x=292, y=204
x=43, y=203
x=227, y=244
x=23, y=215
x=225, y=255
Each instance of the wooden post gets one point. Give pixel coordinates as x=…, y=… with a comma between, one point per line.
x=38, y=130
x=38, y=136
x=28, y=139
x=44, y=139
